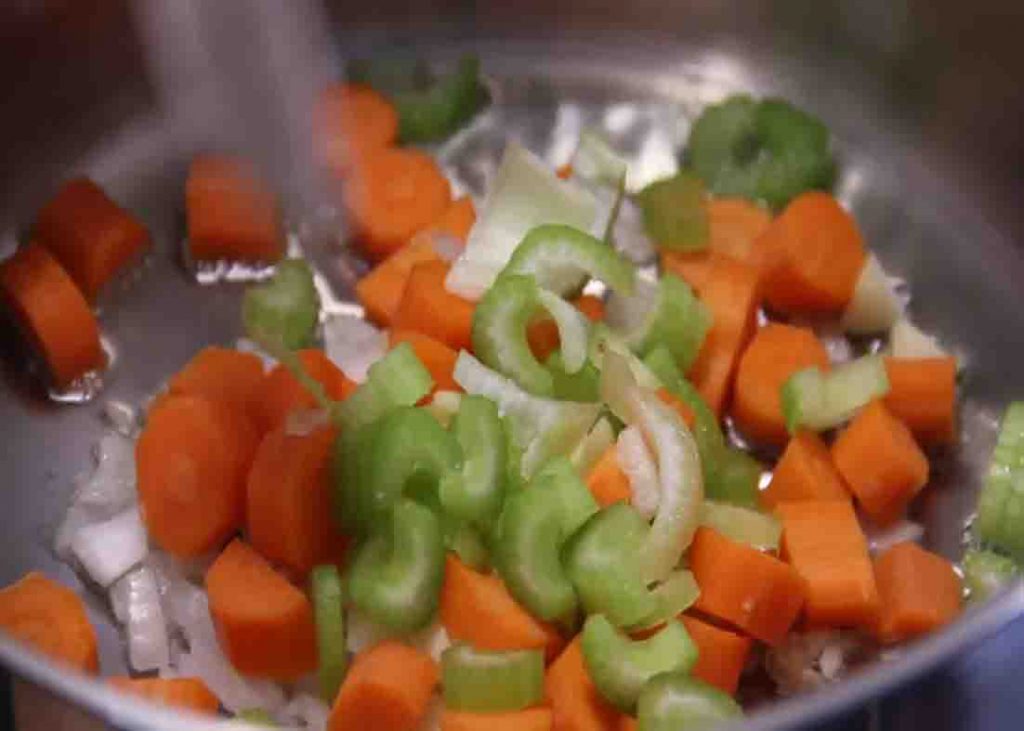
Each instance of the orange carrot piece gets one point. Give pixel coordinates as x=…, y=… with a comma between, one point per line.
x=352, y=120
x=804, y=472
x=381, y=289
x=232, y=214
x=606, y=480
x=922, y=394
x=188, y=693
x=288, y=500
x=530, y=719
x=734, y=226
x=721, y=654
x=746, y=588
x=693, y=268
x=393, y=194
x=776, y=352
x=457, y=219
x=678, y=405
x=264, y=624
x=52, y=313
x=542, y=334
x=813, y=254
x=592, y=307
x=435, y=355
x=192, y=460
x=880, y=461
x=223, y=374
x=564, y=171
x=89, y=234
x=824, y=542
x=282, y=393
x=576, y=704
x=920, y=592
x=477, y=608
x=627, y=723
x=50, y=618
x=427, y=307
x=387, y=688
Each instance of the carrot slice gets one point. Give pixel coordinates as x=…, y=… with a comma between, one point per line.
x=530, y=719
x=542, y=334
x=89, y=234
x=52, y=313
x=282, y=393
x=813, y=254
x=721, y=654
x=222, y=374
x=388, y=688
x=825, y=544
x=427, y=307
x=776, y=352
x=922, y=394
x=477, y=608
x=880, y=461
x=288, y=502
x=393, y=194
x=189, y=693
x=435, y=355
x=804, y=472
x=191, y=461
x=352, y=120
x=381, y=290
x=50, y=618
x=920, y=592
x=576, y=704
x=746, y=588
x=232, y=214
x=264, y=624
x=606, y=480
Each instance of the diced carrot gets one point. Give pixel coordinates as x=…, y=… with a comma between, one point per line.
x=435, y=355
x=477, y=608
x=188, y=693
x=542, y=334
x=191, y=461
x=813, y=254
x=922, y=394
x=920, y=592
x=880, y=461
x=351, y=120
x=824, y=542
x=289, y=502
x=721, y=654
x=606, y=480
x=457, y=219
x=746, y=588
x=282, y=393
x=678, y=405
x=232, y=214
x=427, y=307
x=381, y=289
x=264, y=624
x=387, y=688
x=734, y=226
x=804, y=472
x=592, y=307
x=692, y=267
x=89, y=234
x=50, y=618
x=393, y=194
x=223, y=374
x=52, y=313
x=576, y=704
x=530, y=719
x=564, y=171
x=776, y=352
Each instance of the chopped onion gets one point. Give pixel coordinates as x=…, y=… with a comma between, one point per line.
x=136, y=601
x=875, y=306
x=108, y=549
x=354, y=345
x=906, y=340
x=590, y=448
x=122, y=417
x=111, y=485
x=444, y=405
x=306, y=711
x=636, y=460
x=362, y=632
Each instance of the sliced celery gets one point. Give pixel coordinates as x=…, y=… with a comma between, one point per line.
x=986, y=572
x=483, y=681
x=397, y=379
x=582, y=386
x=332, y=657
x=676, y=701
x=815, y=400
x=475, y=492
x=760, y=530
x=282, y=313
x=674, y=212
x=1001, y=505
x=674, y=596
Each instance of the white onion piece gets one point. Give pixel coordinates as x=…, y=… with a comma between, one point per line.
x=304, y=711
x=636, y=460
x=353, y=344
x=444, y=405
x=136, y=601
x=111, y=485
x=591, y=447
x=906, y=340
x=875, y=305
x=122, y=417
x=573, y=330
x=108, y=549
x=362, y=632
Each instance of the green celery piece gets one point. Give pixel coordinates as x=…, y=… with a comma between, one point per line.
x=482, y=681
x=620, y=666
x=396, y=574
x=816, y=400
x=255, y=717
x=1001, y=505
x=674, y=596
x=582, y=386
x=985, y=573
x=674, y=213
x=474, y=493
x=282, y=313
x=736, y=478
x=328, y=612
x=561, y=484
x=561, y=258
x=432, y=113
x=466, y=542
x=673, y=701
x=397, y=379
x=596, y=162
x=573, y=330
x=601, y=559
x=757, y=529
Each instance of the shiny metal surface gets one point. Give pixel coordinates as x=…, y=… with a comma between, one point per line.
x=932, y=194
